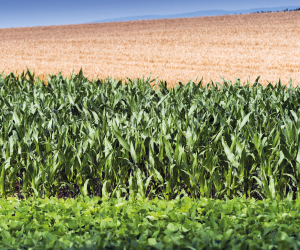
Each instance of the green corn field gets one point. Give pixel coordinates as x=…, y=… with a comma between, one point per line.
x=113, y=139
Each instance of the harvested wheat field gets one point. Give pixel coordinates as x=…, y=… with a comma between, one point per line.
x=265, y=44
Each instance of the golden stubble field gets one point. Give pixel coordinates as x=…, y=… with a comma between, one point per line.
x=265, y=44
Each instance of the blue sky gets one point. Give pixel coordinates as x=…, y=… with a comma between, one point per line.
x=25, y=13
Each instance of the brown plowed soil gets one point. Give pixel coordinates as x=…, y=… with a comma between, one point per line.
x=266, y=44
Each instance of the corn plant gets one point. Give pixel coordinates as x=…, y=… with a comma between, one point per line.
x=139, y=138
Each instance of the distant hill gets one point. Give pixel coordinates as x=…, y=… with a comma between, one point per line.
x=198, y=14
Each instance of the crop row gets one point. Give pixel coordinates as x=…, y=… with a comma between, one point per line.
x=75, y=136
x=92, y=223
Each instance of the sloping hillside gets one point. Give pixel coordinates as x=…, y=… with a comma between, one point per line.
x=265, y=44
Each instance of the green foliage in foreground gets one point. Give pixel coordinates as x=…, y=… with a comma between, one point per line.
x=92, y=223
x=114, y=140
